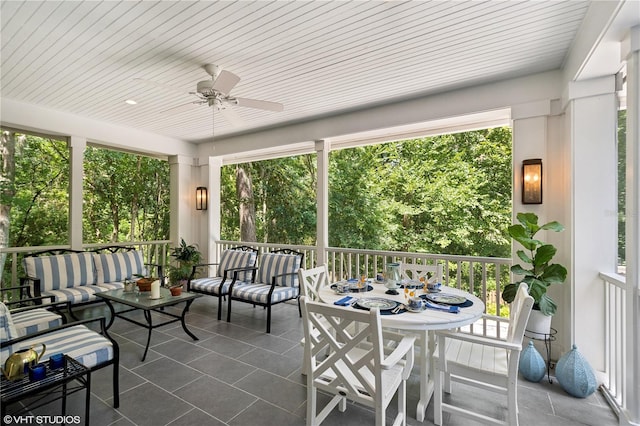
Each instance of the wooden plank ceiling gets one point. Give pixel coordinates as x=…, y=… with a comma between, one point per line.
x=317, y=58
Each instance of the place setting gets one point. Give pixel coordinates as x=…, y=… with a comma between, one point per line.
x=385, y=306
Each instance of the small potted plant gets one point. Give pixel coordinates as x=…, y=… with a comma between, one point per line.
x=539, y=273
x=185, y=255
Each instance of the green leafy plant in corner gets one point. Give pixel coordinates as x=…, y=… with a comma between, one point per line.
x=186, y=255
x=541, y=273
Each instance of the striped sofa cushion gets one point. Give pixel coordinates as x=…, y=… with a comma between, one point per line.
x=84, y=345
x=86, y=293
x=112, y=267
x=259, y=293
x=272, y=264
x=33, y=320
x=237, y=259
x=61, y=271
x=210, y=285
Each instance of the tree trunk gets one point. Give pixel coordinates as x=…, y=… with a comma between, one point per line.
x=7, y=190
x=247, y=208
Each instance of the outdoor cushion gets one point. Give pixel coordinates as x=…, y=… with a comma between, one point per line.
x=33, y=320
x=111, y=286
x=272, y=264
x=210, y=285
x=75, y=295
x=259, y=293
x=61, y=271
x=111, y=267
x=231, y=259
x=79, y=342
x=7, y=328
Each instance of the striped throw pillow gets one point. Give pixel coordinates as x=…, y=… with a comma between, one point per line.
x=112, y=267
x=237, y=259
x=61, y=271
x=272, y=264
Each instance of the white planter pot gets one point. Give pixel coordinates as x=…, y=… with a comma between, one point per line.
x=538, y=325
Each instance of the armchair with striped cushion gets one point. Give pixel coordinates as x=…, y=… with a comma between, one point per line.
x=274, y=281
x=92, y=349
x=237, y=258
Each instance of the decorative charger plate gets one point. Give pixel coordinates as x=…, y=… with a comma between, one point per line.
x=375, y=302
x=449, y=299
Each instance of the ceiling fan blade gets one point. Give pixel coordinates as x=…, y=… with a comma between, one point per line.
x=160, y=85
x=254, y=103
x=232, y=117
x=225, y=82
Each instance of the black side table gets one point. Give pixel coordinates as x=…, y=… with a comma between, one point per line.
x=547, y=338
x=18, y=390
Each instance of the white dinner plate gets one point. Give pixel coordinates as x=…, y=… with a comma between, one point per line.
x=375, y=302
x=449, y=299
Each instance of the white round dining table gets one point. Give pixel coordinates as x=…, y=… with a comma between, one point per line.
x=423, y=323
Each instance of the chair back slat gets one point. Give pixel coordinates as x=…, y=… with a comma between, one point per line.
x=312, y=280
x=519, y=314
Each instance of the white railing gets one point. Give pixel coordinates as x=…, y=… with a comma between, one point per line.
x=483, y=276
x=617, y=388
x=153, y=252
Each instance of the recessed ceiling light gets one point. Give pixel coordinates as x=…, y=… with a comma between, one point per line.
x=130, y=102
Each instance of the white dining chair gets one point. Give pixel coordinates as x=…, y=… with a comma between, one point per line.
x=311, y=280
x=484, y=362
x=415, y=271
x=353, y=365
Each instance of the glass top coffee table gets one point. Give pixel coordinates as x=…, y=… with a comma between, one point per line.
x=142, y=301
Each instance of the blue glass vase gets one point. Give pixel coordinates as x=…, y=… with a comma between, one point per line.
x=532, y=366
x=575, y=375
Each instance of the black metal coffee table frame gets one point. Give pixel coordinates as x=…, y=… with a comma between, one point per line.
x=142, y=301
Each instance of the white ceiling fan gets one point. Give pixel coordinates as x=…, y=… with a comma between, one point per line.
x=216, y=93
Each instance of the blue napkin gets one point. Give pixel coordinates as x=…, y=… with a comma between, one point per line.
x=452, y=309
x=345, y=301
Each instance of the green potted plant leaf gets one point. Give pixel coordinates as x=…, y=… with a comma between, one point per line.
x=539, y=273
x=185, y=255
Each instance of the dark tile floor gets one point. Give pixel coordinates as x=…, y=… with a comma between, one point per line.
x=236, y=374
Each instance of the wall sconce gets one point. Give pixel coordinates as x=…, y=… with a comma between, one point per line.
x=201, y=198
x=532, y=181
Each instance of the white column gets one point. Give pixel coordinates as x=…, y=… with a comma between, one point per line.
x=182, y=199
x=592, y=128
x=209, y=176
x=631, y=52
x=536, y=134
x=77, y=145
x=322, y=226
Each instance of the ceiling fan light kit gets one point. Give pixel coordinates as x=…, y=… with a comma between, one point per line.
x=215, y=93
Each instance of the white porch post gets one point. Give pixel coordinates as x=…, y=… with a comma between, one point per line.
x=537, y=134
x=77, y=145
x=631, y=52
x=591, y=129
x=209, y=176
x=322, y=225
x=182, y=202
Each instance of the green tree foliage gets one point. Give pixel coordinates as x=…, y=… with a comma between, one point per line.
x=444, y=194
x=126, y=197
x=39, y=213
x=284, y=196
x=622, y=190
